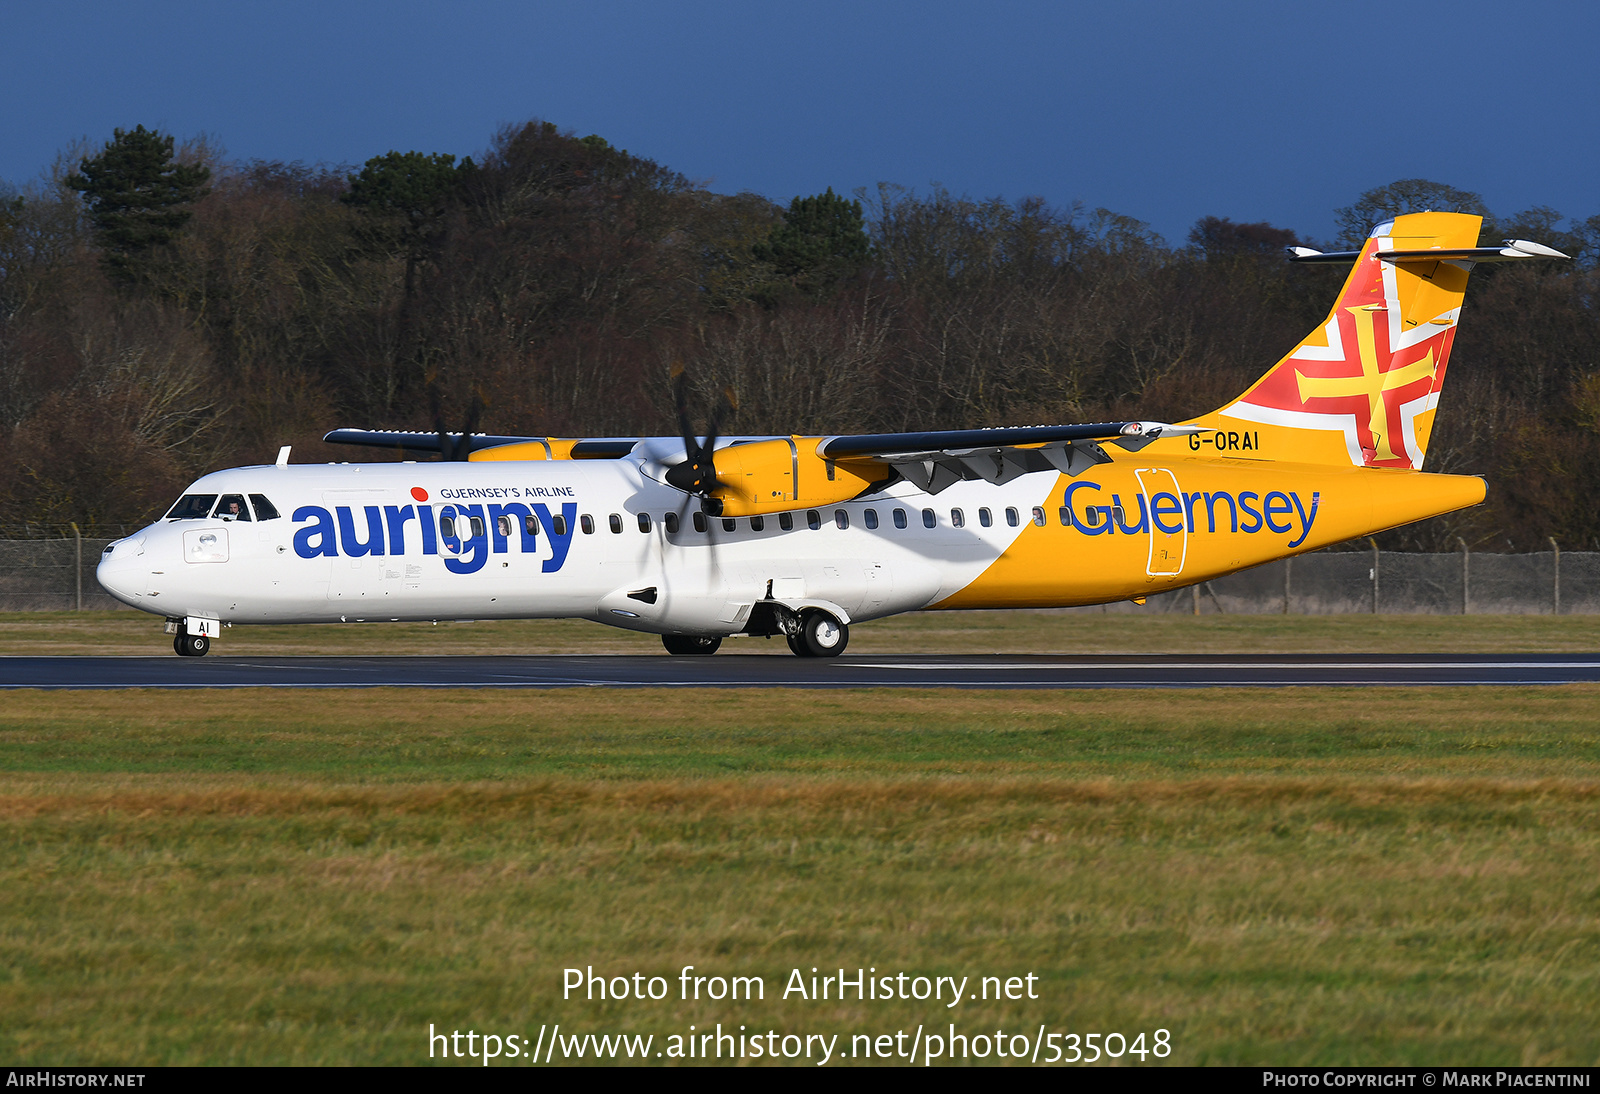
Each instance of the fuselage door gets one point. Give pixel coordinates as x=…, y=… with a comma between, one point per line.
x=1169, y=536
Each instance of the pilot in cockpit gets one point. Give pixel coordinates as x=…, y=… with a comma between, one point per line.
x=233, y=508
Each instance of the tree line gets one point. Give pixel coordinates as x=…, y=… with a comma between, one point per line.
x=165, y=311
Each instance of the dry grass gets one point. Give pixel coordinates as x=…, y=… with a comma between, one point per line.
x=1305, y=876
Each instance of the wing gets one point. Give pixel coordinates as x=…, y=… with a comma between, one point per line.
x=418, y=443
x=936, y=460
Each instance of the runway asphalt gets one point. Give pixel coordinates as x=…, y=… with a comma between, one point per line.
x=736, y=671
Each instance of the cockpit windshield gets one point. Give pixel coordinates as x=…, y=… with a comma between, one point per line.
x=265, y=510
x=232, y=507
x=192, y=507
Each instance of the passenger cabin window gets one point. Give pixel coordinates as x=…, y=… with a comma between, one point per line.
x=531, y=523
x=586, y=522
x=699, y=522
x=757, y=523
x=786, y=521
x=1011, y=517
x=472, y=527
x=985, y=518
x=1066, y=517
x=929, y=519
x=671, y=521
x=899, y=518
x=870, y=518
x=192, y=507
x=958, y=519
x=615, y=521
x=265, y=510
x=232, y=507
x=503, y=525
x=1038, y=515
x=841, y=518
x=729, y=524
x=813, y=519
x=558, y=526
x=644, y=522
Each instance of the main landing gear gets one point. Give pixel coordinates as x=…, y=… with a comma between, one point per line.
x=687, y=645
x=820, y=635
x=191, y=645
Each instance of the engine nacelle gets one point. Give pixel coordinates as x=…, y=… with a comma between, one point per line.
x=761, y=477
x=547, y=448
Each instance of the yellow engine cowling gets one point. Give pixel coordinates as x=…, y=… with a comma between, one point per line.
x=550, y=448
x=762, y=477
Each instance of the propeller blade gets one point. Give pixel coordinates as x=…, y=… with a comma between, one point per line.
x=680, y=402
x=474, y=412
x=447, y=447
x=697, y=474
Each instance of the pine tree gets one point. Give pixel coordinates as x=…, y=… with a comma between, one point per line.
x=407, y=194
x=137, y=195
x=821, y=241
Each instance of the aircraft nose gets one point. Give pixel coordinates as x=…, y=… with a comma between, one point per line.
x=121, y=571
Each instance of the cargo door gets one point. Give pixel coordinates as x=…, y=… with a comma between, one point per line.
x=1167, y=548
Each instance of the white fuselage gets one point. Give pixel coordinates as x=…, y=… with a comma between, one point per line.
x=369, y=542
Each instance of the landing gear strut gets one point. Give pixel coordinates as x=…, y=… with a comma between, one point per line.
x=689, y=645
x=191, y=645
x=821, y=635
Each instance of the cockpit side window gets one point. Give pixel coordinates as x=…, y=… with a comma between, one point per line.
x=192, y=507
x=265, y=510
x=232, y=507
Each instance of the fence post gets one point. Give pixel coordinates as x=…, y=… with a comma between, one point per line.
x=1466, y=588
x=1286, y=564
x=1556, y=599
x=78, y=538
x=1374, y=574
x=1195, y=590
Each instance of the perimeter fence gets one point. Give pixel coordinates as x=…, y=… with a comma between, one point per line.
x=1552, y=582
x=51, y=568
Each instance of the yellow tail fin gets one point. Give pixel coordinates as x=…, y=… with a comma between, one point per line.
x=1362, y=388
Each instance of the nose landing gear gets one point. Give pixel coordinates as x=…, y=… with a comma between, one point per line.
x=191, y=645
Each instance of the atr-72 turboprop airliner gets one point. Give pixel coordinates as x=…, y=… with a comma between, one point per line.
x=803, y=536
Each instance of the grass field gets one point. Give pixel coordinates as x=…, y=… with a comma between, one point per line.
x=1297, y=876
x=1010, y=632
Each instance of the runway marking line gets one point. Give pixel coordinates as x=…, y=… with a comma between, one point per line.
x=1083, y=666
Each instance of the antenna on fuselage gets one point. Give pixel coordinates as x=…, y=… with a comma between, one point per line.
x=283, y=456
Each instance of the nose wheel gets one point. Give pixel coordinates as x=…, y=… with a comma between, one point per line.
x=191, y=645
x=821, y=635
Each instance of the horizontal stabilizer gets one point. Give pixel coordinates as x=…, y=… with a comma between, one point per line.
x=1513, y=250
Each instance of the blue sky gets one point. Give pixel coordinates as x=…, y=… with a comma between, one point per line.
x=1164, y=111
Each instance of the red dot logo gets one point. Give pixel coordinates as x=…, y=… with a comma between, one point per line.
x=419, y=493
